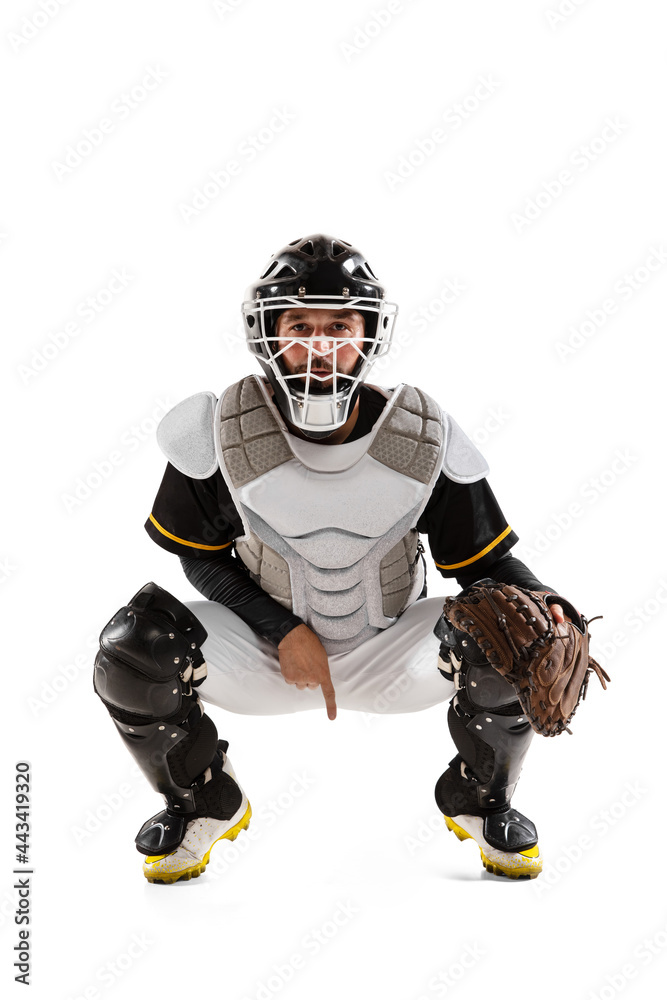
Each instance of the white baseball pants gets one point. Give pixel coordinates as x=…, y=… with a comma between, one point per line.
x=395, y=671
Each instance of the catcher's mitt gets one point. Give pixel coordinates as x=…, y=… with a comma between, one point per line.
x=546, y=662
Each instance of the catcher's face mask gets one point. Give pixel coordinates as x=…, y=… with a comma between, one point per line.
x=320, y=354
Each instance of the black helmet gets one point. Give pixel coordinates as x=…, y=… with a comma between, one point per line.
x=326, y=273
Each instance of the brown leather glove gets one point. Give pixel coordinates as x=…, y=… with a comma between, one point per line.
x=546, y=662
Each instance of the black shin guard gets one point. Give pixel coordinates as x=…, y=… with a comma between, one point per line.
x=149, y=662
x=492, y=737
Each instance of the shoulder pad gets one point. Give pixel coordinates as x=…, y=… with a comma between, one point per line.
x=462, y=462
x=186, y=436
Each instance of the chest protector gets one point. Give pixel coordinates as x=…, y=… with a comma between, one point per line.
x=329, y=529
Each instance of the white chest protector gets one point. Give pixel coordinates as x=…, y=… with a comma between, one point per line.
x=329, y=529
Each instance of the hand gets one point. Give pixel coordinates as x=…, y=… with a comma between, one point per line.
x=304, y=662
x=559, y=615
x=556, y=609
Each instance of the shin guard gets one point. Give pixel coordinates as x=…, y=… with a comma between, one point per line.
x=148, y=666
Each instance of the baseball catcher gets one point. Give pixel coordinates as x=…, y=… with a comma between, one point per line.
x=295, y=501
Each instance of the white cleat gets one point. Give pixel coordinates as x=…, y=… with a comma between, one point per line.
x=192, y=855
x=518, y=865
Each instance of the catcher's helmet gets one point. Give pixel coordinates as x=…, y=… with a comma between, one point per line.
x=316, y=272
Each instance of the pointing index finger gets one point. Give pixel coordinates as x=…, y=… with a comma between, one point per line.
x=329, y=694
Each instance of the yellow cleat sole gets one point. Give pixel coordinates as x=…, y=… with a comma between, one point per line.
x=516, y=872
x=168, y=878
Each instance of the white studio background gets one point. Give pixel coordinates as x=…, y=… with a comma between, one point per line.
x=502, y=166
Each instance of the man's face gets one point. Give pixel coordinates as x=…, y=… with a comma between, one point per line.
x=320, y=327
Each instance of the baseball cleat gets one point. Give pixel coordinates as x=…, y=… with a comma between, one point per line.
x=192, y=855
x=520, y=864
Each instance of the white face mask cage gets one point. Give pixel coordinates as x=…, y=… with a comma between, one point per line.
x=312, y=409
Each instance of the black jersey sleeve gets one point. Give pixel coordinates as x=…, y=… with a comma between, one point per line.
x=193, y=517
x=507, y=569
x=467, y=531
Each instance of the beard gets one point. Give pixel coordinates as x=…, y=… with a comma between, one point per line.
x=317, y=387
x=324, y=369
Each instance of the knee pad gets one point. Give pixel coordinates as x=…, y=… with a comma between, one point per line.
x=479, y=686
x=147, y=647
x=148, y=666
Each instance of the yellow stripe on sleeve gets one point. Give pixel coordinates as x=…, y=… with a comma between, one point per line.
x=182, y=541
x=466, y=562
